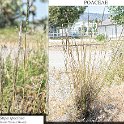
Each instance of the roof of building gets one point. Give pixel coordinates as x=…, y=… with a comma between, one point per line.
x=93, y=16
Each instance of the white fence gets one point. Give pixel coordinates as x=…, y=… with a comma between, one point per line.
x=58, y=35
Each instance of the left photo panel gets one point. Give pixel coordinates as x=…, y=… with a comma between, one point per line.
x=23, y=56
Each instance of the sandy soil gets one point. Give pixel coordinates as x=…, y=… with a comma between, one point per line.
x=113, y=97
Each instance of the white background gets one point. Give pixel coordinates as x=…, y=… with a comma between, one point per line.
x=27, y=119
x=81, y=3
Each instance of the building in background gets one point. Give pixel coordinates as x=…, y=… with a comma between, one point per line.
x=86, y=25
x=110, y=29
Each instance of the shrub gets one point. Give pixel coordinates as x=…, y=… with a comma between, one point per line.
x=100, y=37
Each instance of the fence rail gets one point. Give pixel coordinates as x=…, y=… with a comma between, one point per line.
x=58, y=35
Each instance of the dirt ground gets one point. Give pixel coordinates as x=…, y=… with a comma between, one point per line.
x=113, y=102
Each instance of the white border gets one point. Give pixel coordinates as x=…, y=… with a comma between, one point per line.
x=22, y=119
x=81, y=3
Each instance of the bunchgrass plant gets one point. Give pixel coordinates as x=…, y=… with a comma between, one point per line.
x=92, y=67
x=23, y=72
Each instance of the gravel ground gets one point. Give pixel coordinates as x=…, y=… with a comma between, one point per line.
x=61, y=106
x=109, y=105
x=113, y=99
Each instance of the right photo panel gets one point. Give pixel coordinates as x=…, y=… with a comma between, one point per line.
x=86, y=64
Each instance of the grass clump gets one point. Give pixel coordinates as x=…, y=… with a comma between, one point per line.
x=91, y=68
x=30, y=85
x=23, y=69
x=116, y=72
x=24, y=75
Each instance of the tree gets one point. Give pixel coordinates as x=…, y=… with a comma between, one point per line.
x=117, y=14
x=65, y=15
x=9, y=11
x=13, y=10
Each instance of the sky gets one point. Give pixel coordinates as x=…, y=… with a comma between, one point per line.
x=97, y=9
x=41, y=11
